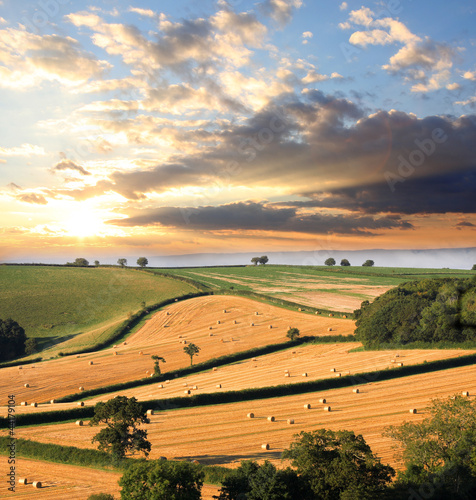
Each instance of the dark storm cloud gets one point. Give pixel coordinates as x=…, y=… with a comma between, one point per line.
x=251, y=216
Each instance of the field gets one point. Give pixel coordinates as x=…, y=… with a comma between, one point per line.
x=55, y=304
x=335, y=288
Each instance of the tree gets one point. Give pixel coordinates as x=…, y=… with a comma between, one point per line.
x=31, y=346
x=330, y=262
x=255, y=260
x=337, y=464
x=142, y=262
x=440, y=450
x=191, y=349
x=368, y=263
x=473, y=268
x=96, y=263
x=162, y=480
x=12, y=340
x=157, y=360
x=122, y=262
x=263, y=259
x=79, y=262
x=293, y=334
x=122, y=416
x=344, y=262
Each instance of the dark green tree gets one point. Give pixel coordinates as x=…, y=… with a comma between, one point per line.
x=441, y=449
x=335, y=464
x=473, y=268
x=263, y=260
x=330, y=262
x=100, y=496
x=162, y=480
x=122, y=262
x=31, y=346
x=12, y=340
x=191, y=349
x=368, y=263
x=293, y=334
x=142, y=262
x=96, y=263
x=344, y=262
x=255, y=260
x=122, y=416
x=80, y=262
x=157, y=360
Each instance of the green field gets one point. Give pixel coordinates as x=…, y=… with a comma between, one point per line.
x=57, y=303
x=315, y=286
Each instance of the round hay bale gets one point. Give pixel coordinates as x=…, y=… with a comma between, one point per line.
x=413, y=410
x=224, y=310
x=317, y=312
x=235, y=322
x=254, y=359
x=52, y=401
x=265, y=446
x=79, y=422
x=465, y=393
x=304, y=374
x=195, y=387
x=333, y=370
x=167, y=313
x=27, y=385
x=252, y=324
x=20, y=367
x=329, y=329
x=114, y=346
x=215, y=368
x=81, y=389
x=23, y=480
x=24, y=403
x=356, y=391
x=167, y=381
x=176, y=300
x=307, y=406
x=34, y=404
x=115, y=353
x=185, y=384
x=250, y=415
x=91, y=363
x=397, y=355
x=287, y=374
x=150, y=412
x=399, y=364
x=327, y=408
x=36, y=484
x=187, y=391
x=331, y=315
x=184, y=341
x=290, y=421
x=345, y=316
x=392, y=361
x=124, y=343
x=160, y=386
x=338, y=374
x=271, y=419
x=218, y=322
x=210, y=328
x=80, y=403
x=218, y=386
x=323, y=400
x=286, y=370
x=256, y=313
x=299, y=309
x=78, y=356
x=270, y=326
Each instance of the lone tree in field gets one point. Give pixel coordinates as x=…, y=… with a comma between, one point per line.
x=191, y=349
x=344, y=262
x=122, y=262
x=473, y=268
x=157, y=360
x=263, y=260
x=142, y=262
x=96, y=263
x=79, y=262
x=338, y=465
x=122, y=416
x=330, y=262
x=368, y=263
x=162, y=480
x=12, y=340
x=293, y=334
x=255, y=260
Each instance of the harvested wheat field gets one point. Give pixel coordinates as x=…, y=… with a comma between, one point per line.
x=68, y=481
x=222, y=434
x=188, y=320
x=285, y=367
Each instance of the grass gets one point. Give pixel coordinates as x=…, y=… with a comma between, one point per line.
x=55, y=304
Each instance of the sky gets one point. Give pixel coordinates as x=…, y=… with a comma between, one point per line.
x=145, y=127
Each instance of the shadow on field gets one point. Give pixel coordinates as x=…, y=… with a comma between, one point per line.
x=226, y=459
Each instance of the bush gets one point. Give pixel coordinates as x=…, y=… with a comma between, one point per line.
x=12, y=340
x=100, y=496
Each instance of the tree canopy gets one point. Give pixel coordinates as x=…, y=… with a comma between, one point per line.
x=191, y=349
x=368, y=263
x=330, y=262
x=260, y=260
x=344, y=262
x=157, y=360
x=79, y=262
x=293, y=334
x=122, y=416
x=12, y=340
x=142, y=261
x=122, y=262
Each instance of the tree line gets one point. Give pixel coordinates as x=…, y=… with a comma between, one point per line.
x=82, y=262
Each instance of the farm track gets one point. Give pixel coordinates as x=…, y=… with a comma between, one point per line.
x=160, y=335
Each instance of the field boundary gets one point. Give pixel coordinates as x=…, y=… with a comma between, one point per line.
x=250, y=394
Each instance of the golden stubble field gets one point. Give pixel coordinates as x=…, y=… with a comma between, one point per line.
x=190, y=320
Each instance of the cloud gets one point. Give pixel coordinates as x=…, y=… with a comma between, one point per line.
x=470, y=75
x=66, y=164
x=36, y=199
x=280, y=10
x=143, y=12
x=23, y=150
x=343, y=6
x=462, y=224
x=253, y=216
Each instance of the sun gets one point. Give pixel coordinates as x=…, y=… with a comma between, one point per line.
x=83, y=223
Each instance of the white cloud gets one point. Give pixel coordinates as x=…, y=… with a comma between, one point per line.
x=143, y=12
x=2, y=20
x=307, y=34
x=470, y=75
x=343, y=6
x=453, y=86
x=23, y=150
x=281, y=10
x=471, y=100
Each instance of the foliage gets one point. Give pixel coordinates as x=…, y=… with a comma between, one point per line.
x=142, y=262
x=292, y=334
x=440, y=450
x=338, y=464
x=263, y=259
x=96, y=263
x=442, y=309
x=368, y=263
x=162, y=480
x=79, y=262
x=255, y=260
x=330, y=262
x=344, y=262
x=12, y=340
x=122, y=416
x=31, y=346
x=191, y=349
x=100, y=496
x=263, y=482
x=122, y=262
x=157, y=360
x=473, y=268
